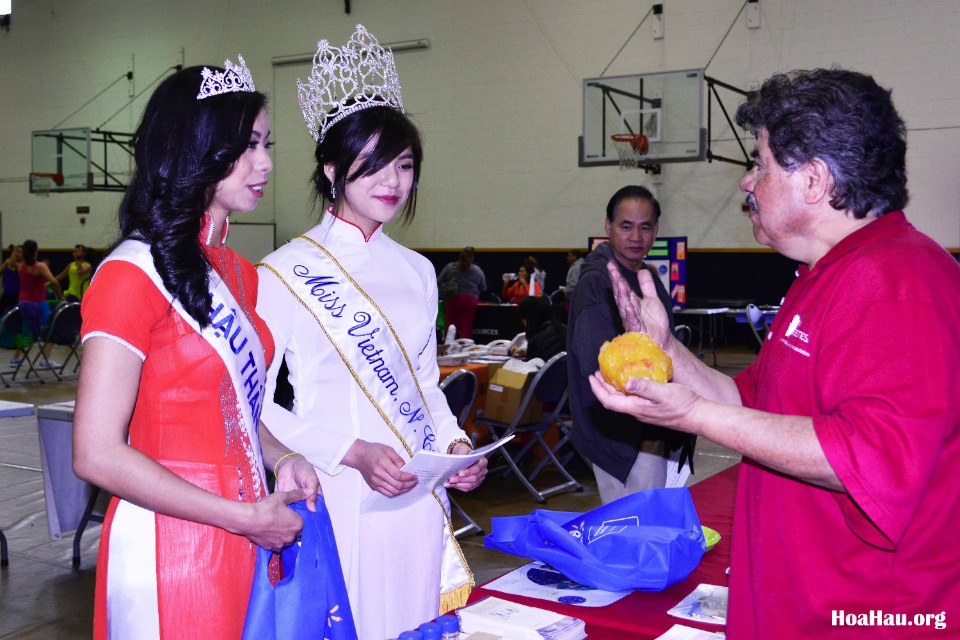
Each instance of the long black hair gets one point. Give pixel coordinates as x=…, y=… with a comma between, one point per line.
x=344, y=142
x=184, y=148
x=537, y=312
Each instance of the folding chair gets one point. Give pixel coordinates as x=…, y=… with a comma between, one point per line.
x=683, y=333
x=64, y=330
x=557, y=297
x=12, y=324
x=549, y=386
x=565, y=426
x=758, y=323
x=460, y=388
x=490, y=296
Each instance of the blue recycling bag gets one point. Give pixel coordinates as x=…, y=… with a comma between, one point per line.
x=646, y=541
x=310, y=603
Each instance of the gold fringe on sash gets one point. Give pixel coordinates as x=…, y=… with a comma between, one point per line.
x=455, y=599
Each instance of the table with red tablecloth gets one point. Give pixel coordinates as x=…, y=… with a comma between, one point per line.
x=643, y=614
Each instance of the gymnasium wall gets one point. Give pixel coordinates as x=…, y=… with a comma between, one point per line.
x=497, y=96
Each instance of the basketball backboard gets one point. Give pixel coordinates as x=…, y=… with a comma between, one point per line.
x=83, y=159
x=666, y=107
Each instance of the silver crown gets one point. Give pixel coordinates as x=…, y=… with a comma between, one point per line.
x=345, y=80
x=234, y=78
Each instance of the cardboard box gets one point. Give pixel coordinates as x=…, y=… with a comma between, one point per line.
x=505, y=392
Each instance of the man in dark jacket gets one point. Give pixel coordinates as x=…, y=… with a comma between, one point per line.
x=625, y=458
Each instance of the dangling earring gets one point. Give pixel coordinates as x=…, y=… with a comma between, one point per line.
x=333, y=192
x=210, y=232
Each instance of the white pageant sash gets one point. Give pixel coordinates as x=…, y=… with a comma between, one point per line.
x=364, y=338
x=370, y=348
x=229, y=333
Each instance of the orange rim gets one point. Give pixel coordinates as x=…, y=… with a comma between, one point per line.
x=638, y=141
x=56, y=177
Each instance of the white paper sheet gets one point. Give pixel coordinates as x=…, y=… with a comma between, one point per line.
x=432, y=470
x=541, y=581
x=518, y=622
x=680, y=632
x=677, y=477
x=707, y=603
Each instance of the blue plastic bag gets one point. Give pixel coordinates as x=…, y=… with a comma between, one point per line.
x=310, y=603
x=647, y=541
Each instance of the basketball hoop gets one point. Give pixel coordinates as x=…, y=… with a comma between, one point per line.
x=631, y=147
x=42, y=183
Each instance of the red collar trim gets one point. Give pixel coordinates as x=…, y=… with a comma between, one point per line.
x=366, y=238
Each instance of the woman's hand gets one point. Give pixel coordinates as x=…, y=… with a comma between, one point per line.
x=380, y=467
x=272, y=524
x=295, y=473
x=470, y=478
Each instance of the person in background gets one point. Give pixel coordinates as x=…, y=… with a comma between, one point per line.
x=517, y=288
x=537, y=275
x=627, y=455
x=77, y=273
x=461, y=308
x=849, y=420
x=34, y=277
x=11, y=278
x=353, y=313
x=546, y=334
x=575, y=260
x=172, y=381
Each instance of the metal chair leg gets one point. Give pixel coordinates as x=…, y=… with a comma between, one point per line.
x=523, y=479
x=4, y=558
x=88, y=516
x=471, y=523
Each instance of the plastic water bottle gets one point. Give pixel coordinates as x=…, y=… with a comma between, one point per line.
x=411, y=635
x=449, y=626
x=451, y=334
x=431, y=631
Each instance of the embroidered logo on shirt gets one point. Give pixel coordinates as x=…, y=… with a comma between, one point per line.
x=793, y=331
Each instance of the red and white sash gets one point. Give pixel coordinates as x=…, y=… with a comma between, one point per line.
x=230, y=334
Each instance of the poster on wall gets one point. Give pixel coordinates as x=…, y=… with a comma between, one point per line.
x=668, y=257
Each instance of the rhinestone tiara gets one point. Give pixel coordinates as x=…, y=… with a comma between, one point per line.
x=344, y=80
x=234, y=78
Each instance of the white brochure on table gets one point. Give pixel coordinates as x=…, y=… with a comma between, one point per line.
x=680, y=632
x=432, y=470
x=541, y=581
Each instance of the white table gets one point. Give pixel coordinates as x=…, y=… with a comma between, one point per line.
x=712, y=315
x=71, y=502
x=11, y=410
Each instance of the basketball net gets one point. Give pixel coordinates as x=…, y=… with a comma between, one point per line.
x=631, y=147
x=42, y=183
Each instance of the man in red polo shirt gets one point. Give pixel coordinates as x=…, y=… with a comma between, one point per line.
x=849, y=421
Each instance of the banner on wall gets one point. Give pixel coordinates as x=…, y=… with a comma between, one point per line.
x=668, y=257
